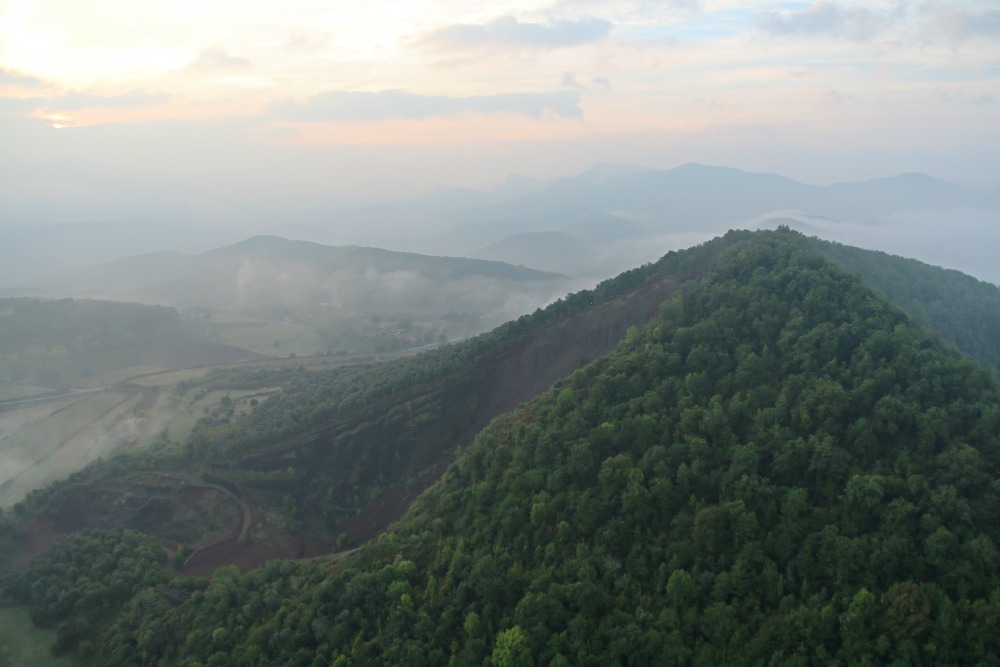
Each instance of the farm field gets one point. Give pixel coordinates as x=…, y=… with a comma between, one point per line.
x=50, y=438
x=44, y=441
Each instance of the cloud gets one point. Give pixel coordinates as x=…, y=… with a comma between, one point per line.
x=507, y=31
x=16, y=107
x=569, y=79
x=824, y=18
x=950, y=23
x=663, y=41
x=215, y=59
x=307, y=42
x=691, y=7
x=8, y=76
x=926, y=23
x=79, y=100
x=683, y=6
x=365, y=106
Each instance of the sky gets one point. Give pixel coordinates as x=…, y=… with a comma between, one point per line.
x=222, y=111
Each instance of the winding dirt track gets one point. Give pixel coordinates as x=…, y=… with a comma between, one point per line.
x=207, y=556
x=245, y=508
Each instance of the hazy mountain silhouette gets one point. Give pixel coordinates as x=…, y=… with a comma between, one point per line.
x=695, y=195
x=269, y=264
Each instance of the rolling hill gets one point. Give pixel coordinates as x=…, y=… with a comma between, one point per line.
x=254, y=271
x=280, y=297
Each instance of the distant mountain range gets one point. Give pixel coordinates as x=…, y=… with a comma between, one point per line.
x=591, y=225
x=694, y=196
x=613, y=216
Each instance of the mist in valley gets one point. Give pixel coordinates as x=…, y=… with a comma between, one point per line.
x=527, y=245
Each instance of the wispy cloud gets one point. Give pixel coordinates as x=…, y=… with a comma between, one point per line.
x=216, y=59
x=674, y=6
x=367, y=106
x=825, y=18
x=569, y=79
x=508, y=32
x=950, y=23
x=80, y=100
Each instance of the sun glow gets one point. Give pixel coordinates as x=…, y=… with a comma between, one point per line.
x=58, y=122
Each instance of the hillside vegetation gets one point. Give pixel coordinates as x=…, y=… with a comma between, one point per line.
x=779, y=469
x=962, y=310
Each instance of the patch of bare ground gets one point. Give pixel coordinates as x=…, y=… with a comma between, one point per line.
x=33, y=538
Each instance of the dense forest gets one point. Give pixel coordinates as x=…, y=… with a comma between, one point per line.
x=782, y=468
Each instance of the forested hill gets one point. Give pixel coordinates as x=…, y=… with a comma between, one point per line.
x=781, y=469
x=962, y=310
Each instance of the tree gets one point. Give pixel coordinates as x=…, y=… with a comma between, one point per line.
x=512, y=649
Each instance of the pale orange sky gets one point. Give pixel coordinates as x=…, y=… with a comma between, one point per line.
x=331, y=103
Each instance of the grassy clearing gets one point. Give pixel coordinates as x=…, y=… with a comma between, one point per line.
x=24, y=645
